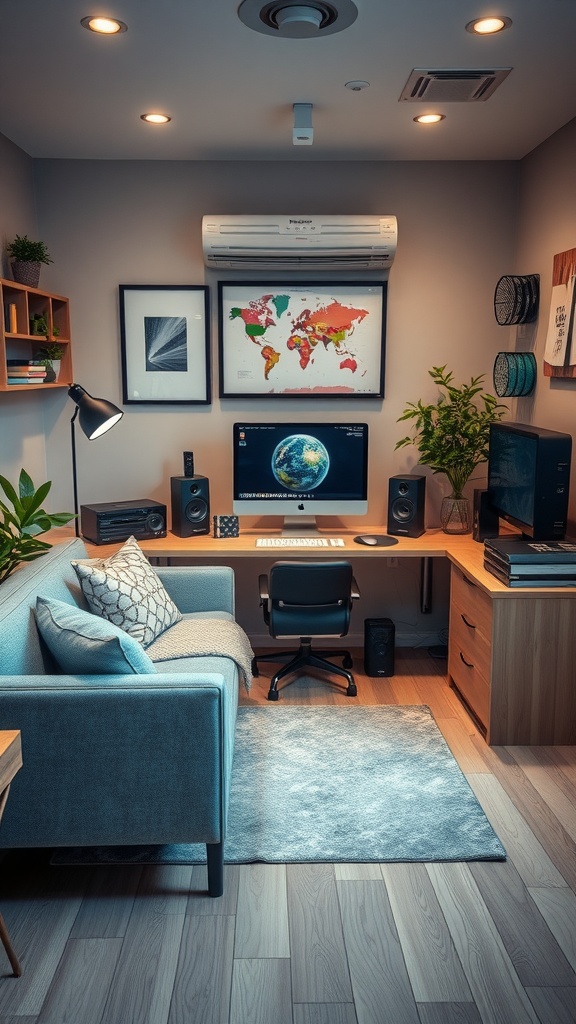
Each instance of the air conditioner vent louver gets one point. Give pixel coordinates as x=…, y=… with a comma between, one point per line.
x=452, y=85
x=306, y=242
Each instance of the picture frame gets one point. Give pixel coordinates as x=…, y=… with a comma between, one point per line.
x=299, y=339
x=165, y=344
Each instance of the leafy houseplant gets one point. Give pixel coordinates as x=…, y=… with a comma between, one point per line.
x=21, y=524
x=27, y=257
x=452, y=435
x=50, y=356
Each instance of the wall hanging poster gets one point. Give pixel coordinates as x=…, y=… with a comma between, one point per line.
x=291, y=340
x=560, y=350
x=165, y=340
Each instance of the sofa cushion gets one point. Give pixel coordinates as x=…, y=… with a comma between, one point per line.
x=126, y=590
x=82, y=643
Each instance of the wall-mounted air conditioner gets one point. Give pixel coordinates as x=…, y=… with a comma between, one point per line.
x=240, y=242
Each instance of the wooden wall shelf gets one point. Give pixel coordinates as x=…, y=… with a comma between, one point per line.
x=19, y=305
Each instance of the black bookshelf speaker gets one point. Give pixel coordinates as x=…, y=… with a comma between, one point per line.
x=190, y=498
x=379, y=637
x=485, y=520
x=406, y=503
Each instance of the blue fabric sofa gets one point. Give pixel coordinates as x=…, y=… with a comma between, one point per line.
x=117, y=759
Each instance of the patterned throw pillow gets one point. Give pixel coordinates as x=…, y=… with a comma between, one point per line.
x=125, y=590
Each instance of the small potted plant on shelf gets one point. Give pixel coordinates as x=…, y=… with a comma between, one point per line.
x=50, y=356
x=452, y=436
x=27, y=257
x=22, y=520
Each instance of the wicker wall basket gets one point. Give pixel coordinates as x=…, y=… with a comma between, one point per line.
x=514, y=374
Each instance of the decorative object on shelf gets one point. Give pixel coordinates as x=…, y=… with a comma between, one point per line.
x=514, y=374
x=39, y=326
x=301, y=340
x=165, y=340
x=560, y=348
x=452, y=436
x=516, y=299
x=21, y=524
x=95, y=416
x=27, y=257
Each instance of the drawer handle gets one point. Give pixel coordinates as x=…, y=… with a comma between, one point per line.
x=467, y=663
x=465, y=620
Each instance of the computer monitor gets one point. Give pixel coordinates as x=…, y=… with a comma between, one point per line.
x=300, y=471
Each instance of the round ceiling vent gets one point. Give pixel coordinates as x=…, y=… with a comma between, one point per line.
x=288, y=19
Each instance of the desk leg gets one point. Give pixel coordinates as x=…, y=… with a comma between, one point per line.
x=426, y=585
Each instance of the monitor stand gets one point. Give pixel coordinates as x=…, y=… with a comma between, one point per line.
x=300, y=526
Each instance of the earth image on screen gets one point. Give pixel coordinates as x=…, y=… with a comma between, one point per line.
x=300, y=462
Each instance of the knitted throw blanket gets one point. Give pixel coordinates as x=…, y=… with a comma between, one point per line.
x=205, y=638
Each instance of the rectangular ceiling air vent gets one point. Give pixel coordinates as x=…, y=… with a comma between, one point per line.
x=452, y=85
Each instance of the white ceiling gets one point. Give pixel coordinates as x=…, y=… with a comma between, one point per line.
x=67, y=93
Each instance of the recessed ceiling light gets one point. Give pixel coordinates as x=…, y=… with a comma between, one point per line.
x=429, y=118
x=155, y=118
x=104, y=26
x=488, y=26
x=294, y=19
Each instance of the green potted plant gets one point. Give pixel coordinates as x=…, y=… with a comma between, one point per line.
x=21, y=521
x=50, y=356
x=452, y=437
x=27, y=257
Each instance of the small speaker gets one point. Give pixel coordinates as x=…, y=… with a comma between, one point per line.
x=379, y=647
x=190, y=505
x=485, y=520
x=406, y=501
x=188, y=459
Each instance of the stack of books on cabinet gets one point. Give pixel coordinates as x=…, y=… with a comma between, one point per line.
x=528, y=563
x=21, y=371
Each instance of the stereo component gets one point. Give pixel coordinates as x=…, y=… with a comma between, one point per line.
x=108, y=521
x=190, y=498
x=485, y=521
x=379, y=636
x=406, y=503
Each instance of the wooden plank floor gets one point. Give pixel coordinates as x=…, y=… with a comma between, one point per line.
x=321, y=944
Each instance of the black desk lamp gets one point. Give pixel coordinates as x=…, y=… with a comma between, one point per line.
x=95, y=416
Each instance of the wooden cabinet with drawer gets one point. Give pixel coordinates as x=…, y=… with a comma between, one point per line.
x=512, y=657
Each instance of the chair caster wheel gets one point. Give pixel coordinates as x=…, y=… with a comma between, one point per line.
x=351, y=690
x=347, y=662
x=272, y=694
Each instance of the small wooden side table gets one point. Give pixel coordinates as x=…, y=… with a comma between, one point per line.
x=10, y=763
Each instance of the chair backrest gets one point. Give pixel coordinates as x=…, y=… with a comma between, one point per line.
x=310, y=599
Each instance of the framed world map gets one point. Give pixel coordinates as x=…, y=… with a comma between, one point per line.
x=298, y=339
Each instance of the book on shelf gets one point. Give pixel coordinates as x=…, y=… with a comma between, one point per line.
x=10, y=318
x=517, y=550
x=26, y=380
x=515, y=580
x=23, y=364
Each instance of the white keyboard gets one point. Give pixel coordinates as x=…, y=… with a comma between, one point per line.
x=299, y=542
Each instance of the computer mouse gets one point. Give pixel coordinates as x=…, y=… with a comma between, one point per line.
x=366, y=540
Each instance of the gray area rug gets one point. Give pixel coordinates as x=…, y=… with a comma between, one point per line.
x=336, y=784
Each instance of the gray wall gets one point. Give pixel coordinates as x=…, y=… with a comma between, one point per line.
x=461, y=226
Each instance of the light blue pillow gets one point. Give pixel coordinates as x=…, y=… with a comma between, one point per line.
x=82, y=643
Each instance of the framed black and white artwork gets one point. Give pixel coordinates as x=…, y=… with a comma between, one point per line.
x=165, y=342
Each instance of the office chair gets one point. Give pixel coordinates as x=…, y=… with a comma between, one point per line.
x=306, y=600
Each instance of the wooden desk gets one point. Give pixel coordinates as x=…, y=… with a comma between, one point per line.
x=10, y=763
x=511, y=652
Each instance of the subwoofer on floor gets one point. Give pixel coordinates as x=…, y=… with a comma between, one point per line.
x=406, y=502
x=190, y=496
x=379, y=635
